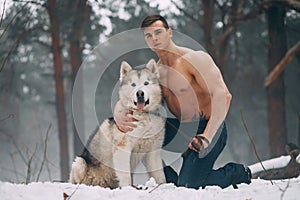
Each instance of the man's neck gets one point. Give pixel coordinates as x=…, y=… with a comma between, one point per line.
x=169, y=55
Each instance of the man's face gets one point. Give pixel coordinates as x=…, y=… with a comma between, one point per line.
x=157, y=36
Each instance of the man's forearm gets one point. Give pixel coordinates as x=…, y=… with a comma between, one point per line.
x=219, y=107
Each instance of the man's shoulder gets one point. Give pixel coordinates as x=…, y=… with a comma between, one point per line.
x=196, y=53
x=198, y=58
x=186, y=53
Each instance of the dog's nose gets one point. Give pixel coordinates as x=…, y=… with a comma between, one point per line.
x=140, y=96
x=140, y=93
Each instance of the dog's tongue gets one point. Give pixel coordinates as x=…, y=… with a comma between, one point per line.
x=140, y=105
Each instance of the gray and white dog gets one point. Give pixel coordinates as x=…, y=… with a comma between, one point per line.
x=111, y=156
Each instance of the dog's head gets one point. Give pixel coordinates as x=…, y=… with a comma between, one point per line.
x=139, y=89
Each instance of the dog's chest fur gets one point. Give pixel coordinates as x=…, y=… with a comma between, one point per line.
x=147, y=136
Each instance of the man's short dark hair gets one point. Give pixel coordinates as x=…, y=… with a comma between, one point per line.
x=150, y=19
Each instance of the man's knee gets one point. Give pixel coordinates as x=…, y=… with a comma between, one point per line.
x=171, y=175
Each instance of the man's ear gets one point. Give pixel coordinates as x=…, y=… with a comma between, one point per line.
x=125, y=68
x=170, y=31
x=152, y=66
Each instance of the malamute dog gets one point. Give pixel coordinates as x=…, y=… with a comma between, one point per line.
x=111, y=156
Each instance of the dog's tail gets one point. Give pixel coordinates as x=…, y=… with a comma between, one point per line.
x=78, y=171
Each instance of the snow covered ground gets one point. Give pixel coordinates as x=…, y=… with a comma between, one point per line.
x=258, y=190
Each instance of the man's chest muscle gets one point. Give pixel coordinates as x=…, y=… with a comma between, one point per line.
x=178, y=81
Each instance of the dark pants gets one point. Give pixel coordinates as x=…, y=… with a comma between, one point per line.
x=198, y=171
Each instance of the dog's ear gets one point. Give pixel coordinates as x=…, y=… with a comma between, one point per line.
x=125, y=68
x=152, y=66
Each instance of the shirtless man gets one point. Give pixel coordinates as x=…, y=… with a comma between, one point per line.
x=195, y=93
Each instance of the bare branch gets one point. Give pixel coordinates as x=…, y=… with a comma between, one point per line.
x=252, y=143
x=253, y=13
x=20, y=36
x=45, y=153
x=155, y=187
x=14, y=166
x=29, y=166
x=190, y=16
x=284, y=190
x=14, y=46
x=28, y=157
x=48, y=170
x=16, y=147
x=68, y=197
x=32, y=2
x=9, y=116
x=3, y=11
x=12, y=20
x=288, y=57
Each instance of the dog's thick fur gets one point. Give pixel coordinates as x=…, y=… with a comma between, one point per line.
x=111, y=155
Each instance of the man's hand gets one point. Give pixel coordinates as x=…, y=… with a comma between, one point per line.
x=124, y=120
x=198, y=143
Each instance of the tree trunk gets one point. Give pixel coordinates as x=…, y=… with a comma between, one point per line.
x=79, y=15
x=222, y=53
x=276, y=91
x=228, y=29
x=208, y=17
x=298, y=130
x=59, y=90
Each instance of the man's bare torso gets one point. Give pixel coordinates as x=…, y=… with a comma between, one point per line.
x=185, y=97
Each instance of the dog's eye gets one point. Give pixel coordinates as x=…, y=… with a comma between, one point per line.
x=133, y=84
x=146, y=83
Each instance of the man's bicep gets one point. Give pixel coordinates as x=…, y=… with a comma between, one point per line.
x=204, y=70
x=211, y=78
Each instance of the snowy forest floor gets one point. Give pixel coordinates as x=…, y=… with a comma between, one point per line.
x=258, y=189
x=287, y=189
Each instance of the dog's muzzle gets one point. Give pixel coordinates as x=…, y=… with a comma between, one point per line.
x=141, y=103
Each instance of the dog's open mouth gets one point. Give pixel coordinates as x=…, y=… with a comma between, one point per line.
x=141, y=104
